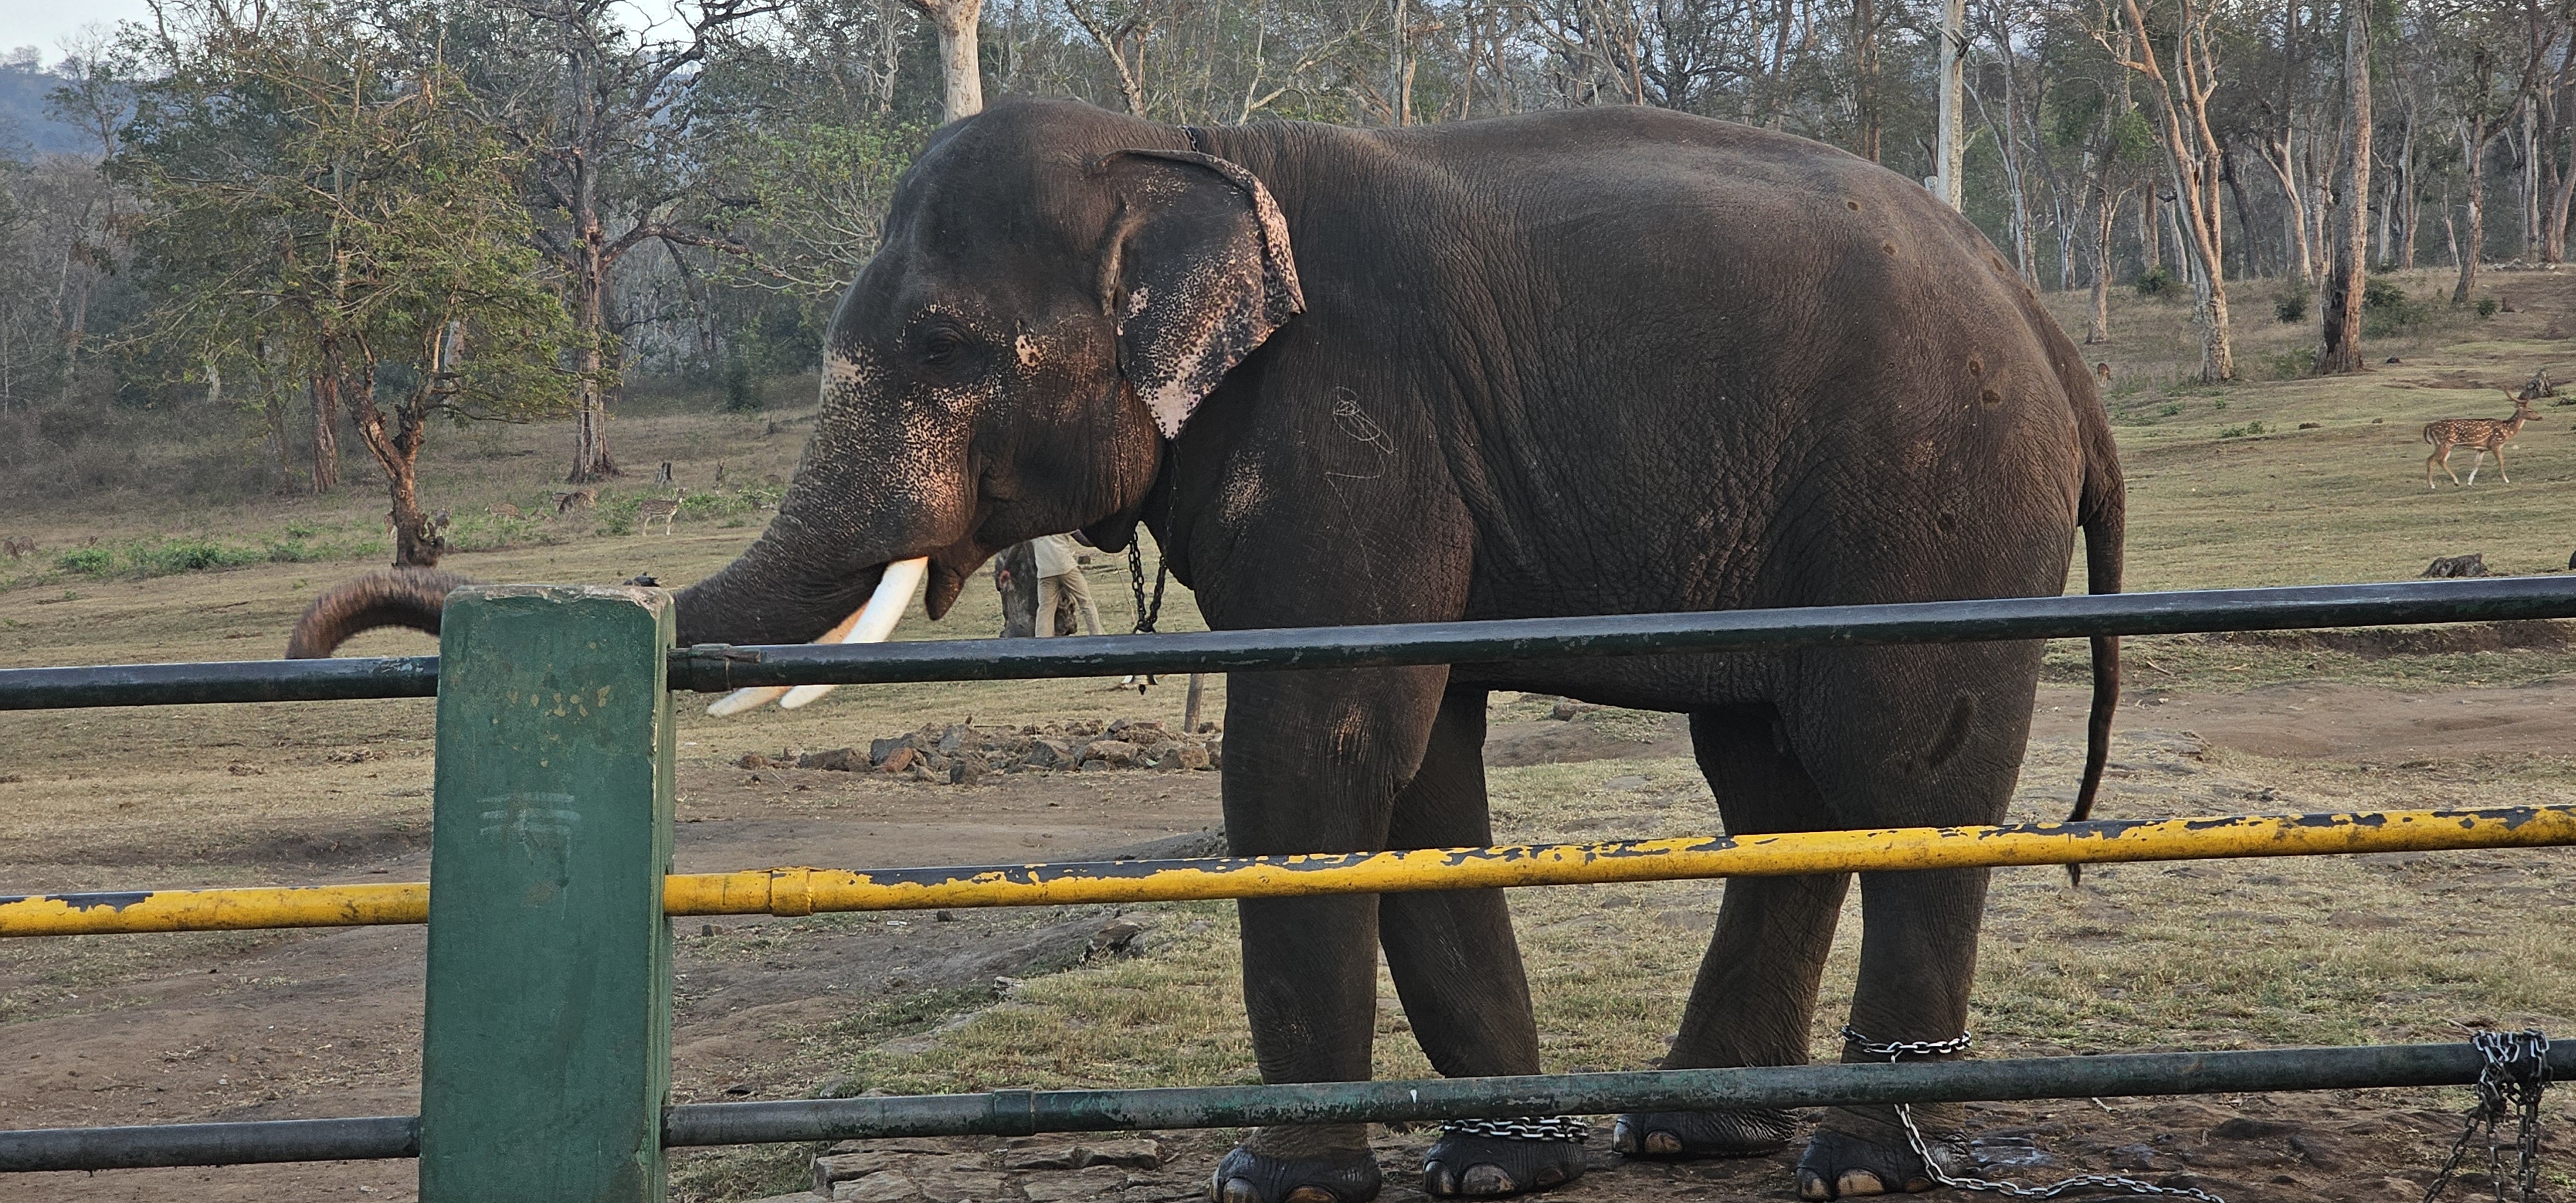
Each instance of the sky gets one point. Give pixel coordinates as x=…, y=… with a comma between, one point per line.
x=44, y=24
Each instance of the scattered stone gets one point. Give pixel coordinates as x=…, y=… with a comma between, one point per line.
x=1082, y=1184
x=2312, y=425
x=244, y=768
x=1625, y=783
x=884, y=1186
x=834, y=1168
x=1119, y=939
x=954, y=1186
x=2473, y=564
x=1116, y=753
x=1044, y=1157
x=2244, y=1128
x=755, y=761
x=1140, y=1154
x=961, y=753
x=1566, y=708
x=838, y=760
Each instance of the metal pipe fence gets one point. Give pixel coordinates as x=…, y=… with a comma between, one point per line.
x=808, y=891
x=553, y=816
x=721, y=668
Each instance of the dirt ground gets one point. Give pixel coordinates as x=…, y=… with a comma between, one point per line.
x=281, y=1025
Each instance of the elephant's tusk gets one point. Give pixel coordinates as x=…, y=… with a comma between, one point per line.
x=870, y=624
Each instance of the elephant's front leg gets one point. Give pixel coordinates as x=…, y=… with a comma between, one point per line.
x=1313, y=764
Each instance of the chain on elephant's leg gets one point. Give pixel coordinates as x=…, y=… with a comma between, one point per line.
x=1918, y=964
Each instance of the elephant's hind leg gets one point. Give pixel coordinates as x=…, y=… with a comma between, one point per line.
x=1458, y=969
x=1756, y=991
x=1910, y=737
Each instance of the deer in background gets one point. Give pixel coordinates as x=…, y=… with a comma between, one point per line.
x=659, y=509
x=2487, y=435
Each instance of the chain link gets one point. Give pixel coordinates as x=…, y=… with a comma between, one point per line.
x=1555, y=1127
x=2515, y=1072
x=1147, y=612
x=2092, y=1184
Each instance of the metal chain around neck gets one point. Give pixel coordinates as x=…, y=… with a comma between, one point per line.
x=2515, y=1072
x=1147, y=612
x=2082, y=1184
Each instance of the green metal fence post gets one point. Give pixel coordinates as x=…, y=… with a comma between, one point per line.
x=546, y=1056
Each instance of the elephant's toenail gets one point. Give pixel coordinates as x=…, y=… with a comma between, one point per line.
x=1486, y=1180
x=1859, y=1182
x=1436, y=1179
x=1234, y=1190
x=1548, y=1178
x=1916, y=1186
x=1310, y=1194
x=1811, y=1186
x=1663, y=1144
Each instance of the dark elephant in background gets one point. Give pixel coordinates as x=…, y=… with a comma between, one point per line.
x=1612, y=360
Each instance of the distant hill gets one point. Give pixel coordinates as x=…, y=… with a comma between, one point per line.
x=24, y=126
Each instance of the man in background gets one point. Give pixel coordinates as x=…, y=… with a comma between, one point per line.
x=1059, y=569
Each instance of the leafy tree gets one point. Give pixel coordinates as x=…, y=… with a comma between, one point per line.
x=316, y=216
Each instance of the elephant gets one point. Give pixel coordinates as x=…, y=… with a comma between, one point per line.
x=1603, y=361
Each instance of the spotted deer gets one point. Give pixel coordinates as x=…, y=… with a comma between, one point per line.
x=659, y=509
x=2486, y=435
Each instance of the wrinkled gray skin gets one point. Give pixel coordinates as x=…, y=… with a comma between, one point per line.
x=1604, y=361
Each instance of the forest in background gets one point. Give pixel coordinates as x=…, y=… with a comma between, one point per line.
x=282, y=224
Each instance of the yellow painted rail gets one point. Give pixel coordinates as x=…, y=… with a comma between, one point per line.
x=804, y=891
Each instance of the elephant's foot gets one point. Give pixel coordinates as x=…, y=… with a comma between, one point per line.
x=1678, y=1134
x=1489, y=1159
x=1248, y=1177
x=1839, y=1165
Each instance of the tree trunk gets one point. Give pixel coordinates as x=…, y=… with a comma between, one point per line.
x=2191, y=151
x=1865, y=76
x=2151, y=233
x=2097, y=327
x=2472, y=243
x=960, y=71
x=326, y=433
x=1947, y=134
x=2339, y=306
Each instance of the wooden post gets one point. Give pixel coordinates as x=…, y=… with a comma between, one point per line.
x=546, y=1056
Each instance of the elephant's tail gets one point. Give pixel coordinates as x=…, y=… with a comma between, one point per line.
x=390, y=597
x=2103, y=513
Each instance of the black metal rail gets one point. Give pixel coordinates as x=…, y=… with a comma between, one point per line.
x=1025, y=1112
x=716, y=668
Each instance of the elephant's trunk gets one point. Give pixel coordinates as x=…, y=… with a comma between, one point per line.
x=759, y=598
x=394, y=597
x=763, y=598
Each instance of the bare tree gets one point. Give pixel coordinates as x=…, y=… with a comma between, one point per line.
x=2339, y=304
x=2190, y=144
x=601, y=113
x=959, y=69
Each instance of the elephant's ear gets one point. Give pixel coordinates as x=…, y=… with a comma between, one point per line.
x=1196, y=272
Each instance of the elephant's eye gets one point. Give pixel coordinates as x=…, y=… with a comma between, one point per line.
x=942, y=346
